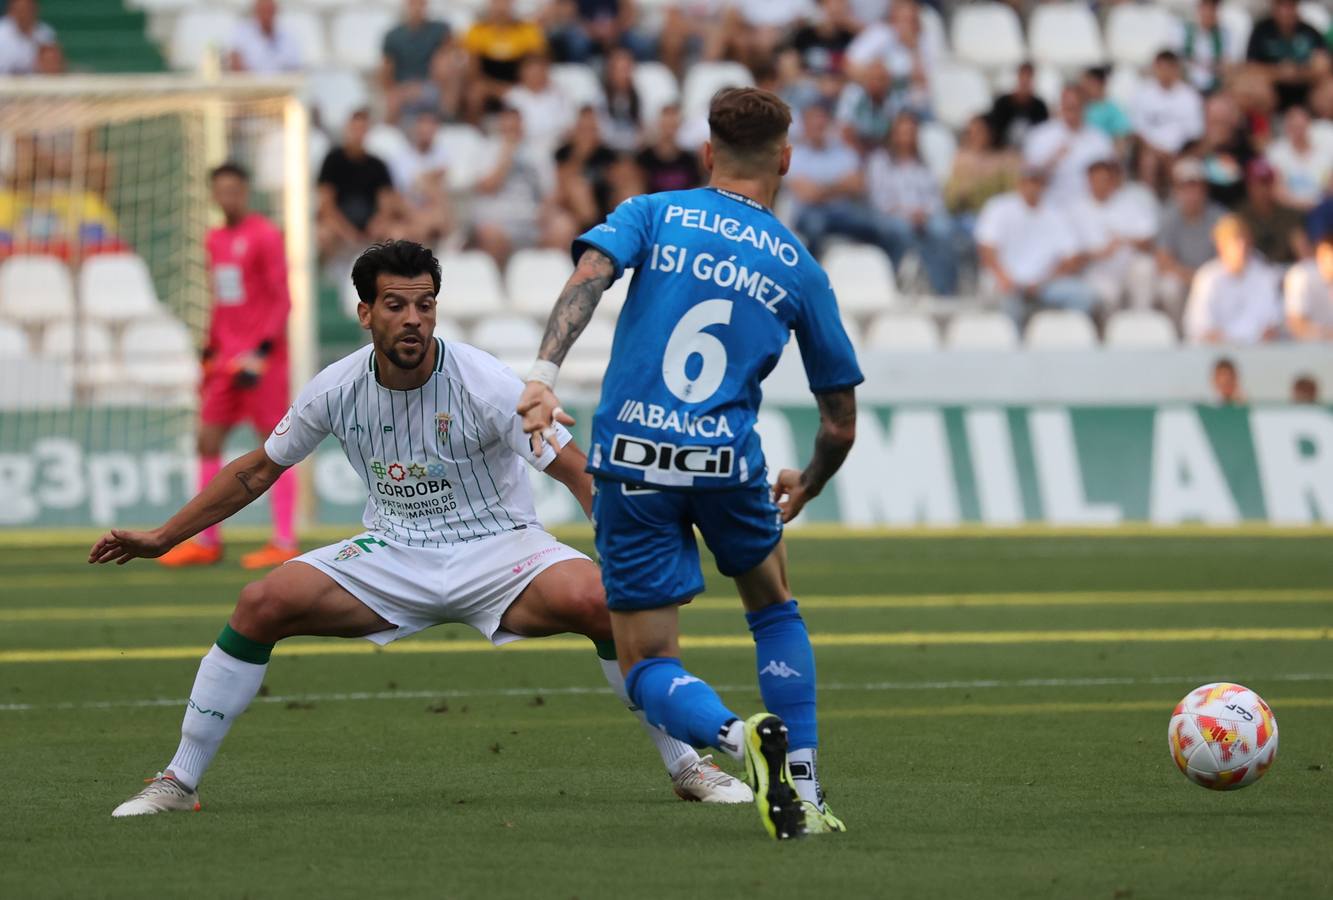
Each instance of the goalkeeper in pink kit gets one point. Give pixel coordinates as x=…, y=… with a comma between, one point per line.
x=245, y=359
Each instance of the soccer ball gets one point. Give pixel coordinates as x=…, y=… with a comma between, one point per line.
x=1223, y=736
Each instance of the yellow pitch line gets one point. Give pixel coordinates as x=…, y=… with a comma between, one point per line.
x=49, y=614
x=716, y=642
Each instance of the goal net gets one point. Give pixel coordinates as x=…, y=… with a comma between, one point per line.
x=104, y=294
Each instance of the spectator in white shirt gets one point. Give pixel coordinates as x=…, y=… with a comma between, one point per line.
x=1308, y=295
x=27, y=46
x=420, y=172
x=1167, y=113
x=1234, y=298
x=1029, y=252
x=826, y=180
x=260, y=44
x=908, y=198
x=1303, y=164
x=1117, y=228
x=547, y=113
x=1064, y=147
x=900, y=44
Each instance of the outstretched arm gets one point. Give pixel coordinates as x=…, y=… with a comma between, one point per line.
x=837, y=433
x=538, y=405
x=568, y=468
x=231, y=490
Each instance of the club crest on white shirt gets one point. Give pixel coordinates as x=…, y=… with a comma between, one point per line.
x=442, y=421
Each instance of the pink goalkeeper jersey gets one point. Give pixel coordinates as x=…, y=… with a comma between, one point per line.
x=247, y=268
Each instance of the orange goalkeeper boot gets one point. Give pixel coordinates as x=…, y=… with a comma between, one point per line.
x=192, y=553
x=268, y=556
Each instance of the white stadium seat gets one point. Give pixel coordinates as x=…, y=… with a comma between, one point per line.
x=1140, y=329
x=386, y=141
x=450, y=331
x=511, y=339
x=116, y=287
x=958, y=92
x=35, y=289
x=13, y=341
x=1237, y=20
x=1316, y=14
x=862, y=278
x=308, y=30
x=357, y=36
x=613, y=301
x=588, y=358
x=981, y=331
x=470, y=285
x=1135, y=34
x=198, y=30
x=464, y=148
x=1123, y=84
x=92, y=342
x=988, y=35
x=1060, y=329
x=335, y=94
x=657, y=87
x=896, y=332
x=159, y=353
x=937, y=145
x=705, y=79
x=579, y=85
x=1065, y=35
x=534, y=278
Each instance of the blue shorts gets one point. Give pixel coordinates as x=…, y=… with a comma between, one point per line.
x=645, y=539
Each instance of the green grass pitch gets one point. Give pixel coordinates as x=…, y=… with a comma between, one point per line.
x=993, y=715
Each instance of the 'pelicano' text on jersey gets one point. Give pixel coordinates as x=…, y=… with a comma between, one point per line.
x=719, y=286
x=443, y=462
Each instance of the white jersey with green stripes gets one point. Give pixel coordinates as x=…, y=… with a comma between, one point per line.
x=443, y=463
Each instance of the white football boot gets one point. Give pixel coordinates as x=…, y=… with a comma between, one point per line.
x=704, y=781
x=163, y=794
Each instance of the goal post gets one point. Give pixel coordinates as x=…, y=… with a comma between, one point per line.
x=104, y=290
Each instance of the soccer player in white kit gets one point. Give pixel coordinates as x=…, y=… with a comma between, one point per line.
x=451, y=533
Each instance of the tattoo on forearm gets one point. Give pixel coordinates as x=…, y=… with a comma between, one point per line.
x=576, y=304
x=837, y=430
x=245, y=478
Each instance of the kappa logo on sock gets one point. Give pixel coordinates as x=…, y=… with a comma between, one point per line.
x=681, y=681
x=779, y=669
x=190, y=704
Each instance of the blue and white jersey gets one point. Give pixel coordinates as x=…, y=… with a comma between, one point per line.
x=719, y=286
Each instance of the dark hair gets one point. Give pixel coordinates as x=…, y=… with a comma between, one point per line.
x=1098, y=74
x=235, y=170
x=1306, y=384
x=1166, y=56
x=748, y=122
x=1225, y=365
x=406, y=258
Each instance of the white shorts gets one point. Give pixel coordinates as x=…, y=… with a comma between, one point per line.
x=472, y=582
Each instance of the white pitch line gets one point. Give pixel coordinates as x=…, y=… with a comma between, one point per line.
x=457, y=694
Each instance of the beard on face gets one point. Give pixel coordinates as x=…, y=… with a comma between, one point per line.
x=406, y=358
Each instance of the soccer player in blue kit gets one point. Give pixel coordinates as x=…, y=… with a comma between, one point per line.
x=719, y=286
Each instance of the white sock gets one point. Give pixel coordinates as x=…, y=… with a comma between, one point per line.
x=676, y=755
x=732, y=740
x=805, y=775
x=222, y=690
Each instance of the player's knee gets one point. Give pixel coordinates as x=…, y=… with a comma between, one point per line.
x=261, y=614
x=588, y=607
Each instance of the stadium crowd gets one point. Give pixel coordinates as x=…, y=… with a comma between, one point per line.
x=1205, y=191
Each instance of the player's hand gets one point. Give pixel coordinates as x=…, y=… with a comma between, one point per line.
x=540, y=409
x=791, y=494
x=247, y=370
x=122, y=546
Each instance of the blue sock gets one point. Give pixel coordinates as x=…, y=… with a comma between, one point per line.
x=677, y=702
x=786, y=670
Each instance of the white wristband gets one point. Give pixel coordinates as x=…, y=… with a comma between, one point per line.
x=544, y=371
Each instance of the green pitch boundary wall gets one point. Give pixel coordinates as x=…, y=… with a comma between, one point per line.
x=1058, y=466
